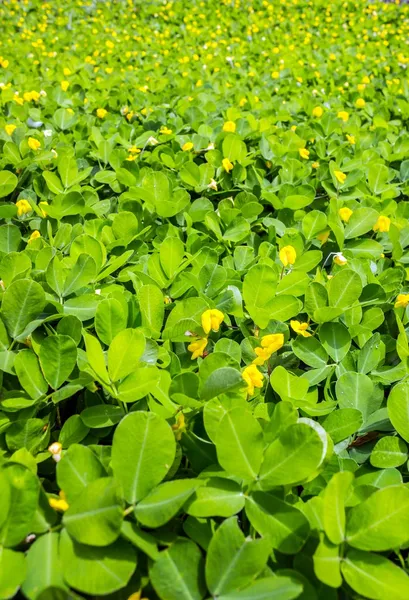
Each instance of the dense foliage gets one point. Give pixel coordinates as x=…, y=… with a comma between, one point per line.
x=204, y=251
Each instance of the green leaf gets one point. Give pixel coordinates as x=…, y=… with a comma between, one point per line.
x=96, y=358
x=327, y=563
x=362, y=220
x=178, y=572
x=344, y=288
x=267, y=588
x=29, y=374
x=110, y=319
x=239, y=444
x=164, y=502
x=102, y=415
x=342, y=423
x=8, y=182
x=356, y=390
x=398, y=409
x=78, y=467
x=124, y=353
x=22, y=302
x=218, y=498
x=232, y=560
x=259, y=286
x=152, y=307
x=13, y=572
x=381, y=522
x=58, y=355
x=389, y=452
x=24, y=490
x=283, y=524
x=223, y=380
x=44, y=569
x=142, y=381
x=334, y=506
x=374, y=576
x=171, y=253
x=336, y=340
x=95, y=516
x=288, y=386
x=294, y=456
x=151, y=443
x=82, y=273
x=94, y=570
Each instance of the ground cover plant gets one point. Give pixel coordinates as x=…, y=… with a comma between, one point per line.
x=204, y=250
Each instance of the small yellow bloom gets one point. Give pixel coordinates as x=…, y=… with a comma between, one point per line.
x=33, y=144
x=227, y=165
x=340, y=260
x=323, y=237
x=293, y=127
x=345, y=214
x=66, y=72
x=101, y=113
x=402, y=301
x=188, y=146
x=360, y=103
x=213, y=185
x=343, y=115
x=212, y=319
x=315, y=164
x=275, y=74
x=65, y=85
x=340, y=176
x=180, y=426
x=165, y=130
x=197, y=347
x=263, y=354
x=229, y=127
x=300, y=328
x=55, y=448
x=34, y=236
x=288, y=255
x=242, y=102
x=253, y=378
x=60, y=504
x=351, y=139
x=332, y=57
x=9, y=129
x=23, y=207
x=317, y=111
x=382, y=224
x=304, y=153
x=366, y=79
x=273, y=341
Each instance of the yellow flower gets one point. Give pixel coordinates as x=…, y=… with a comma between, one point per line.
x=65, y=85
x=227, y=165
x=10, y=128
x=343, y=115
x=273, y=341
x=382, y=224
x=402, y=301
x=300, y=328
x=293, y=127
x=351, y=139
x=340, y=176
x=180, y=426
x=317, y=111
x=188, y=146
x=345, y=214
x=165, y=130
x=275, y=74
x=315, y=164
x=332, y=57
x=101, y=113
x=288, y=255
x=33, y=144
x=323, y=237
x=263, y=354
x=303, y=152
x=197, y=347
x=59, y=504
x=55, y=448
x=253, y=378
x=339, y=259
x=229, y=126
x=23, y=207
x=212, y=319
x=360, y=103
x=34, y=236
x=366, y=79
x=242, y=102
x=66, y=71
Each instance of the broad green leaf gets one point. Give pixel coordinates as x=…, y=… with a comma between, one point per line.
x=334, y=506
x=356, y=390
x=78, y=467
x=177, y=574
x=94, y=570
x=374, y=576
x=29, y=374
x=388, y=452
x=95, y=516
x=124, y=353
x=232, y=560
x=96, y=358
x=164, y=502
x=267, y=588
x=336, y=340
x=44, y=569
x=24, y=490
x=327, y=563
x=110, y=319
x=142, y=381
x=218, y=498
x=8, y=182
x=344, y=289
x=398, y=409
x=22, y=302
x=58, y=355
x=239, y=444
x=151, y=443
x=381, y=522
x=152, y=307
x=13, y=571
x=80, y=275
